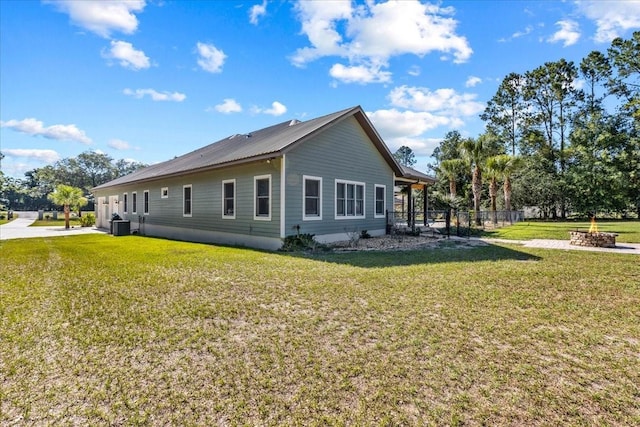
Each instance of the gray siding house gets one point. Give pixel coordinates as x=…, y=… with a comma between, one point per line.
x=330, y=176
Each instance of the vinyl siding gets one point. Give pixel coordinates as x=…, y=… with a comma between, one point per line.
x=342, y=152
x=206, y=201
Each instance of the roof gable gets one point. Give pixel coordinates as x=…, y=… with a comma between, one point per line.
x=256, y=145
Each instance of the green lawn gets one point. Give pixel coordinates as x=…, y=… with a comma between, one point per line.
x=103, y=330
x=628, y=231
x=73, y=222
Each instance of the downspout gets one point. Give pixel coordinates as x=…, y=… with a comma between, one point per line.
x=282, y=197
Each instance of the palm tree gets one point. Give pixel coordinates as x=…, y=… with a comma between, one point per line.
x=451, y=169
x=505, y=166
x=67, y=196
x=474, y=154
x=493, y=172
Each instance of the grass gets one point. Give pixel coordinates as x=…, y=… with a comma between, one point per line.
x=73, y=222
x=102, y=330
x=628, y=231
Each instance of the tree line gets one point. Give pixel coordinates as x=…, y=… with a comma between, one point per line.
x=84, y=172
x=563, y=137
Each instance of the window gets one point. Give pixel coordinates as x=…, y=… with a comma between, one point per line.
x=312, y=198
x=186, y=200
x=262, y=197
x=145, y=202
x=134, y=202
x=125, y=203
x=229, y=199
x=380, y=201
x=164, y=193
x=349, y=199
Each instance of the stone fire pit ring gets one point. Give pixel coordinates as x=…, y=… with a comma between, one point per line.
x=592, y=239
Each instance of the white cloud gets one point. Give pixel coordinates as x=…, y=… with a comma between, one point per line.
x=103, y=17
x=374, y=32
x=211, y=58
x=362, y=74
x=569, y=33
x=118, y=144
x=396, y=124
x=414, y=71
x=277, y=109
x=228, y=106
x=35, y=127
x=42, y=156
x=257, y=11
x=473, y=81
x=445, y=102
x=155, y=95
x=128, y=56
x=612, y=18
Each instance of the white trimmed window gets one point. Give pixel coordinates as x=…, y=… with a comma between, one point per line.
x=187, y=200
x=380, y=201
x=262, y=197
x=349, y=199
x=145, y=202
x=134, y=202
x=229, y=199
x=312, y=198
x=125, y=202
x=164, y=193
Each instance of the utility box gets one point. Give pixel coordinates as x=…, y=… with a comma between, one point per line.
x=121, y=227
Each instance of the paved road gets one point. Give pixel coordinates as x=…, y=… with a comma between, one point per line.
x=19, y=228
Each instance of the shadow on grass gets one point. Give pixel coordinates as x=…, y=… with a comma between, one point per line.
x=437, y=255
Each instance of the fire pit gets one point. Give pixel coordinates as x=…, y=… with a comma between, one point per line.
x=593, y=237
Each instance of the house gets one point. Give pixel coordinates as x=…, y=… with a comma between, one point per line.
x=330, y=176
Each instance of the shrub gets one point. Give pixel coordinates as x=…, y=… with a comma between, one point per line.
x=87, y=220
x=300, y=242
x=364, y=234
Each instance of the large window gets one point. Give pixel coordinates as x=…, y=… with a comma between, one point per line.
x=145, y=202
x=381, y=191
x=229, y=199
x=349, y=199
x=186, y=200
x=134, y=202
x=262, y=197
x=312, y=198
x=125, y=201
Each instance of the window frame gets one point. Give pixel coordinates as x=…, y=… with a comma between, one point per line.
x=346, y=199
x=184, y=201
x=125, y=202
x=255, y=198
x=225, y=215
x=375, y=201
x=164, y=193
x=134, y=202
x=305, y=216
x=145, y=202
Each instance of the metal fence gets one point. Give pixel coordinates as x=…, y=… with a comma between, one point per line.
x=455, y=222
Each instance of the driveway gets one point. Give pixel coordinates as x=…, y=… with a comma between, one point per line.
x=19, y=228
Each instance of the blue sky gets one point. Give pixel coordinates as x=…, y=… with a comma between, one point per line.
x=150, y=80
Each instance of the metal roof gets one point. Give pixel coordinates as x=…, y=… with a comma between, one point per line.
x=261, y=144
x=410, y=175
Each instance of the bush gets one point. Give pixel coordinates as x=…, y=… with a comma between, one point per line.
x=364, y=234
x=300, y=242
x=87, y=220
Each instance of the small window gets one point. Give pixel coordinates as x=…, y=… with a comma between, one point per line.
x=145, y=202
x=134, y=202
x=125, y=203
x=229, y=199
x=381, y=191
x=312, y=198
x=164, y=193
x=262, y=197
x=349, y=199
x=186, y=198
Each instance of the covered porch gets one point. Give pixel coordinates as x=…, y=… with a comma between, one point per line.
x=411, y=203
